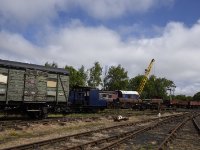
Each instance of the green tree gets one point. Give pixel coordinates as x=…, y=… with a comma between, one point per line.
x=116, y=79
x=135, y=82
x=54, y=64
x=154, y=87
x=95, y=75
x=83, y=76
x=189, y=98
x=77, y=77
x=181, y=97
x=196, y=96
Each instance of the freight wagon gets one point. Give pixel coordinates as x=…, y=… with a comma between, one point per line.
x=128, y=99
x=121, y=99
x=179, y=103
x=109, y=96
x=185, y=104
x=32, y=89
x=194, y=104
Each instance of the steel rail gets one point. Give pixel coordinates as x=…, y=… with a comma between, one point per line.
x=66, y=138
x=163, y=145
x=134, y=133
x=108, y=139
x=197, y=127
x=114, y=144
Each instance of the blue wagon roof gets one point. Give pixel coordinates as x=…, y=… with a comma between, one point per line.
x=20, y=65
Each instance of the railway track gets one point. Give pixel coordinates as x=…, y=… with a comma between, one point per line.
x=98, y=138
x=185, y=136
x=18, y=124
x=178, y=134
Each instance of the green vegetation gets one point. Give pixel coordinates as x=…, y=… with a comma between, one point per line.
x=116, y=78
x=154, y=88
x=111, y=112
x=196, y=96
x=77, y=77
x=53, y=64
x=95, y=75
x=12, y=134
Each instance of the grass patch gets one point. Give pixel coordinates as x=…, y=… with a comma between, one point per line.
x=12, y=134
x=78, y=127
x=147, y=147
x=105, y=112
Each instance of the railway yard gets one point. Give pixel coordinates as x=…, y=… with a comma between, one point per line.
x=99, y=75
x=140, y=130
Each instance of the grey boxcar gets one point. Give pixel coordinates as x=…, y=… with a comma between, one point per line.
x=32, y=89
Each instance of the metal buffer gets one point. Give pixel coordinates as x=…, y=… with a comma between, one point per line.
x=144, y=79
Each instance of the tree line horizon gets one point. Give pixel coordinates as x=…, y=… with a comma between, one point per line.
x=116, y=78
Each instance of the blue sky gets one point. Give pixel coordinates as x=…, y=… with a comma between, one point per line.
x=126, y=32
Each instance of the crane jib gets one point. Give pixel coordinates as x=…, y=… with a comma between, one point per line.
x=144, y=79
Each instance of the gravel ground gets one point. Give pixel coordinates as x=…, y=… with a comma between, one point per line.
x=38, y=132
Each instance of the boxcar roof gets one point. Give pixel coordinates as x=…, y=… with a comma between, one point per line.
x=129, y=92
x=20, y=65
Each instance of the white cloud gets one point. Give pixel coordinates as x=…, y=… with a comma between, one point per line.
x=176, y=51
x=104, y=9
x=14, y=47
x=22, y=12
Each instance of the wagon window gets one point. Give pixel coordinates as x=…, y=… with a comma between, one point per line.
x=3, y=83
x=3, y=79
x=102, y=95
x=51, y=83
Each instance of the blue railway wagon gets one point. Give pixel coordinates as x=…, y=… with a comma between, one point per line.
x=86, y=99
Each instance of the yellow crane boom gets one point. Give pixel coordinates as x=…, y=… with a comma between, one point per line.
x=144, y=79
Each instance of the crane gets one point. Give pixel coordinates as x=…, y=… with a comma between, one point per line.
x=144, y=79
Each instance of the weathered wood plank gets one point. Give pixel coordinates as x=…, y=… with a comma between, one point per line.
x=3, y=70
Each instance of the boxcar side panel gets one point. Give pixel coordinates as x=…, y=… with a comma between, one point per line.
x=35, y=85
x=15, y=85
x=42, y=88
x=63, y=88
x=51, y=87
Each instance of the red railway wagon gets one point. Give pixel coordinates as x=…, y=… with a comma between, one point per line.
x=179, y=103
x=194, y=104
x=120, y=99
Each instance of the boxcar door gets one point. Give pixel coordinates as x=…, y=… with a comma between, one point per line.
x=35, y=85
